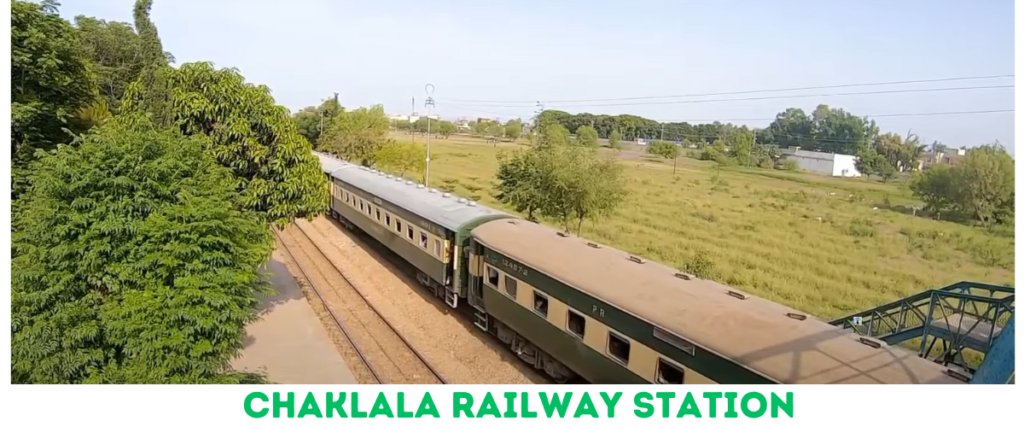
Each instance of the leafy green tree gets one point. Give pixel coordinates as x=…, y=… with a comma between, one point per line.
x=551, y=135
x=869, y=162
x=586, y=136
x=252, y=135
x=519, y=181
x=513, y=129
x=665, y=149
x=114, y=49
x=985, y=183
x=402, y=157
x=936, y=187
x=615, y=140
x=131, y=263
x=357, y=135
x=445, y=128
x=312, y=122
x=50, y=80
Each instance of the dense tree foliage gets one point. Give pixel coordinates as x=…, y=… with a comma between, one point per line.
x=564, y=181
x=276, y=169
x=311, y=122
x=51, y=80
x=114, y=49
x=586, y=135
x=980, y=188
x=402, y=158
x=668, y=150
x=514, y=129
x=131, y=264
x=615, y=140
x=357, y=135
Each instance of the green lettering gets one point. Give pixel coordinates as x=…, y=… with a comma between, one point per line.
x=665, y=396
x=356, y=413
x=381, y=407
x=786, y=406
x=458, y=406
x=731, y=398
x=762, y=404
x=310, y=407
x=610, y=402
x=556, y=403
x=402, y=413
x=712, y=397
x=689, y=407
x=510, y=405
x=525, y=399
x=427, y=407
x=638, y=400
x=279, y=404
x=586, y=407
x=489, y=407
x=335, y=405
x=248, y=405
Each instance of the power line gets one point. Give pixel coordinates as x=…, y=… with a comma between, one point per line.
x=758, y=98
x=746, y=91
x=870, y=116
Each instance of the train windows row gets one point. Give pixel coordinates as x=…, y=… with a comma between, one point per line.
x=617, y=348
x=430, y=243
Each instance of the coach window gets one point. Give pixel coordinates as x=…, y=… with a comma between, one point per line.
x=492, y=276
x=409, y=232
x=346, y=196
x=618, y=348
x=378, y=213
x=437, y=248
x=669, y=373
x=577, y=324
x=540, y=304
x=510, y=286
x=423, y=239
x=398, y=225
x=387, y=219
x=360, y=205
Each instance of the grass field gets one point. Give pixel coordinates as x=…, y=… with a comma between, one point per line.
x=811, y=242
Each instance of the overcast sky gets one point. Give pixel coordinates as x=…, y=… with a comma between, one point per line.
x=512, y=53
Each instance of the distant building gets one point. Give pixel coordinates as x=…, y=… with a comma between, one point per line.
x=831, y=164
x=950, y=156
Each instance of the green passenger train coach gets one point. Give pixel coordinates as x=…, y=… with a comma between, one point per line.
x=581, y=311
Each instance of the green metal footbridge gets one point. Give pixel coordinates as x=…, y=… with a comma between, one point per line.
x=967, y=325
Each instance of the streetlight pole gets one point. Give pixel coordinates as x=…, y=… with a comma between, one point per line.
x=429, y=88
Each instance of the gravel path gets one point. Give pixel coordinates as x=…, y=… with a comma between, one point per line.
x=458, y=350
x=386, y=354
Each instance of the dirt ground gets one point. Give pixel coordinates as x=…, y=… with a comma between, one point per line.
x=289, y=343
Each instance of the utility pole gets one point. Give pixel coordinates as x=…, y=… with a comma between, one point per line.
x=751, y=150
x=413, y=125
x=662, y=131
x=429, y=88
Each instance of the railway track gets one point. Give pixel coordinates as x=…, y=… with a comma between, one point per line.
x=382, y=354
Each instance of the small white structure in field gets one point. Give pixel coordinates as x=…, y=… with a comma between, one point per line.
x=831, y=164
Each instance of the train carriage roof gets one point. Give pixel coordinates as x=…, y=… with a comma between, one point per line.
x=447, y=210
x=330, y=164
x=754, y=332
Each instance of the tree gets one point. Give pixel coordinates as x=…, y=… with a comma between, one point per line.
x=741, y=144
x=567, y=183
x=551, y=135
x=513, y=129
x=50, y=80
x=131, y=263
x=402, y=157
x=869, y=162
x=445, y=128
x=615, y=140
x=985, y=182
x=357, y=135
x=114, y=49
x=981, y=187
x=586, y=136
x=312, y=122
x=665, y=149
x=257, y=139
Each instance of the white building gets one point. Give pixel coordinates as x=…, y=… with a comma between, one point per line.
x=831, y=164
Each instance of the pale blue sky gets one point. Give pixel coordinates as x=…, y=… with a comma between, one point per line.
x=384, y=52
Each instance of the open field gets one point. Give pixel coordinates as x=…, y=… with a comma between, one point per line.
x=811, y=242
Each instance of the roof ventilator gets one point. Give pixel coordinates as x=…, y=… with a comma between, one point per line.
x=462, y=200
x=682, y=275
x=420, y=186
x=433, y=190
x=472, y=203
x=594, y=245
x=446, y=195
x=636, y=259
x=563, y=234
x=797, y=316
x=737, y=295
